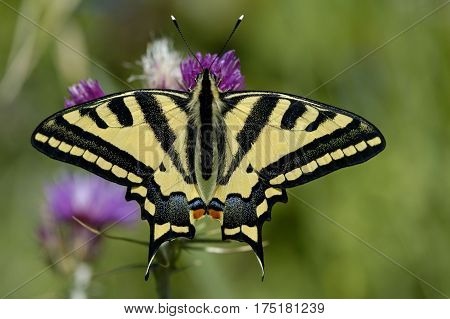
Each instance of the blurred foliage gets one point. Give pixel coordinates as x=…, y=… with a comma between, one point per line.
x=398, y=202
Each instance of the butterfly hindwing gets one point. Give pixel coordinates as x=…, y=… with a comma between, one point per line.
x=168, y=204
x=135, y=139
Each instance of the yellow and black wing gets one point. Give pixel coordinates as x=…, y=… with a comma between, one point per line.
x=276, y=141
x=136, y=139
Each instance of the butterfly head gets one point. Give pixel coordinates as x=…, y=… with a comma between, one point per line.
x=206, y=78
x=218, y=71
x=206, y=84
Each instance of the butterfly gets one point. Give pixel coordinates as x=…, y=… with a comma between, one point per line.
x=227, y=155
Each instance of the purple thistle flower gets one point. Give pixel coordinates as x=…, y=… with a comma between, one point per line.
x=83, y=91
x=92, y=200
x=227, y=70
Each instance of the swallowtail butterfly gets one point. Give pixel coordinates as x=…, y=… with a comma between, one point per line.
x=228, y=155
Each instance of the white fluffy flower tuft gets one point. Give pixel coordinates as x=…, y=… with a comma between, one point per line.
x=161, y=66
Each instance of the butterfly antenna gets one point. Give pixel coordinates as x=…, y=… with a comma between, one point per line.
x=238, y=22
x=175, y=22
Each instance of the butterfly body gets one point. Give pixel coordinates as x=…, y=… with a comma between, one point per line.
x=229, y=155
x=205, y=106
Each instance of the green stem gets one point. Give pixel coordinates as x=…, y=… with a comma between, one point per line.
x=102, y=233
x=166, y=265
x=162, y=277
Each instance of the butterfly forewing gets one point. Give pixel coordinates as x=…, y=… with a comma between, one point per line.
x=296, y=140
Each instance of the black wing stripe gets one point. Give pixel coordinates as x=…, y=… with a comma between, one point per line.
x=64, y=131
x=154, y=116
x=180, y=102
x=255, y=122
x=229, y=104
x=294, y=111
x=321, y=118
x=122, y=112
x=92, y=113
x=156, y=119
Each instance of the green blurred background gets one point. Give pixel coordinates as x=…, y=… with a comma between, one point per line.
x=397, y=204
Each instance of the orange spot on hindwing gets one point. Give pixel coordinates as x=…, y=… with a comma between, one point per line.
x=198, y=213
x=216, y=214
